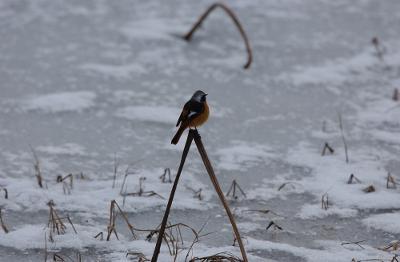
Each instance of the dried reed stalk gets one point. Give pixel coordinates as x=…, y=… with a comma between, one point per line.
x=111, y=225
x=210, y=171
x=232, y=190
x=235, y=20
x=193, y=134
x=343, y=138
x=3, y=225
x=171, y=198
x=36, y=166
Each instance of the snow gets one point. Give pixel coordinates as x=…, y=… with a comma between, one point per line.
x=85, y=81
x=157, y=114
x=241, y=155
x=61, y=102
x=389, y=222
x=71, y=149
x=26, y=194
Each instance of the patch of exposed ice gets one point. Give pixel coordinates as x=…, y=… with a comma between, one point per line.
x=117, y=71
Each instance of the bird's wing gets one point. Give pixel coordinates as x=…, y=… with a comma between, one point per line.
x=196, y=108
x=191, y=110
x=184, y=114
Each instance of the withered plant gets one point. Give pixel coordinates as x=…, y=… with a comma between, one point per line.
x=219, y=257
x=274, y=226
x=395, y=96
x=354, y=243
x=5, y=192
x=369, y=189
x=327, y=147
x=111, y=228
x=235, y=20
x=66, y=187
x=380, y=50
x=3, y=225
x=55, y=223
x=390, y=182
x=353, y=179
x=141, y=192
x=138, y=256
x=36, y=166
x=325, y=201
x=232, y=190
x=343, y=138
x=115, y=169
x=166, y=177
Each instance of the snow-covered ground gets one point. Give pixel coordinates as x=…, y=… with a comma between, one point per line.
x=94, y=88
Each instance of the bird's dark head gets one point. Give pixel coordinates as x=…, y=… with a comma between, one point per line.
x=199, y=96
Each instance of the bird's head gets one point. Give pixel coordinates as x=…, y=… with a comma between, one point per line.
x=199, y=96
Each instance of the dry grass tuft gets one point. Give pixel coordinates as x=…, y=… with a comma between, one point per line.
x=369, y=189
x=138, y=256
x=56, y=223
x=219, y=257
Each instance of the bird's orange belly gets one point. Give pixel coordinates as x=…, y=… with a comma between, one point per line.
x=202, y=118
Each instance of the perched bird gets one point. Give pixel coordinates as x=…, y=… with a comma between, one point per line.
x=194, y=113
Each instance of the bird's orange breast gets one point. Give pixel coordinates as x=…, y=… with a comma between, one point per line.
x=201, y=118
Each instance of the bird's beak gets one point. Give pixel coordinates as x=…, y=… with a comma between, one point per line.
x=205, y=94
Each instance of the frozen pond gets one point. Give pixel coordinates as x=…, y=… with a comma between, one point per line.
x=90, y=83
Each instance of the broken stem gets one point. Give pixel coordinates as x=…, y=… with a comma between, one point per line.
x=171, y=198
x=210, y=171
x=232, y=15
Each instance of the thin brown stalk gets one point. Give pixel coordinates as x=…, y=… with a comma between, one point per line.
x=235, y=20
x=223, y=256
x=217, y=188
x=390, y=182
x=357, y=243
x=353, y=179
x=116, y=165
x=36, y=165
x=232, y=190
x=325, y=201
x=343, y=138
x=3, y=225
x=111, y=225
x=171, y=198
x=5, y=192
x=327, y=147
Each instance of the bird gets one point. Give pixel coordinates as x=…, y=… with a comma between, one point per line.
x=194, y=113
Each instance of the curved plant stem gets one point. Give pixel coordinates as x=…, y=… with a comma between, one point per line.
x=235, y=20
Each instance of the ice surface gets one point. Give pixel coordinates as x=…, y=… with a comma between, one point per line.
x=95, y=89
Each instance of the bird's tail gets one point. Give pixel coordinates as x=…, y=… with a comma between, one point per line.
x=178, y=135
